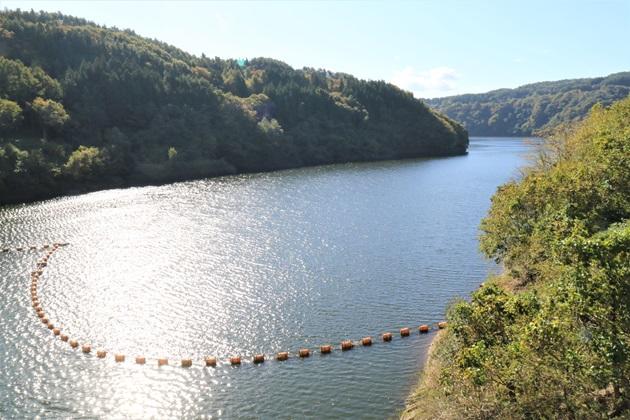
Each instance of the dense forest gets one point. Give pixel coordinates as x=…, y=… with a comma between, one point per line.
x=84, y=107
x=550, y=337
x=537, y=108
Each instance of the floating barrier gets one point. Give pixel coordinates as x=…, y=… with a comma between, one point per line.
x=210, y=361
x=347, y=345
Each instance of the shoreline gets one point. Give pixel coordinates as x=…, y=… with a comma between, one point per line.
x=426, y=381
x=71, y=189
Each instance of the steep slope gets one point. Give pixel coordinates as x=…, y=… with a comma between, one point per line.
x=84, y=107
x=534, y=108
x=550, y=338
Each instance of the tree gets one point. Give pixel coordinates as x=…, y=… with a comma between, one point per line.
x=10, y=114
x=271, y=127
x=85, y=162
x=50, y=113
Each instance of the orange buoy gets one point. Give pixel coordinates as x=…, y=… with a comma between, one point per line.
x=41, y=314
x=404, y=332
x=442, y=325
x=186, y=363
x=63, y=337
x=162, y=361
x=101, y=354
x=346, y=345
x=86, y=348
x=140, y=360
x=211, y=361
x=74, y=344
x=304, y=353
x=119, y=358
x=366, y=341
x=235, y=360
x=50, y=325
x=423, y=328
x=44, y=320
x=387, y=336
x=282, y=356
x=325, y=349
x=56, y=331
x=259, y=358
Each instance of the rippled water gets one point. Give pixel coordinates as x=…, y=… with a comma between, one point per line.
x=242, y=265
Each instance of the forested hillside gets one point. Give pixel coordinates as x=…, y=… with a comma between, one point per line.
x=85, y=107
x=532, y=109
x=550, y=338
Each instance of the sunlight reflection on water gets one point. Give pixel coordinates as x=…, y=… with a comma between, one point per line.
x=244, y=265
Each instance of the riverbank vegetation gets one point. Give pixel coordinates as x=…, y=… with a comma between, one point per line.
x=84, y=107
x=550, y=337
x=532, y=109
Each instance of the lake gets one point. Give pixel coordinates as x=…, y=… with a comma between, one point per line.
x=239, y=265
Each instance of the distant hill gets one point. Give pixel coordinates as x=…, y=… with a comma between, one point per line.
x=533, y=108
x=84, y=107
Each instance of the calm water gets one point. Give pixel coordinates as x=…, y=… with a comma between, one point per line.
x=241, y=265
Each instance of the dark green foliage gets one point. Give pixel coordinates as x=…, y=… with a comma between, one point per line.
x=132, y=101
x=532, y=109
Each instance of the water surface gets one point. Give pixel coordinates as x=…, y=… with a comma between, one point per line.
x=242, y=265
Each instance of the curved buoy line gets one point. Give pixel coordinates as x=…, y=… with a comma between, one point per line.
x=208, y=361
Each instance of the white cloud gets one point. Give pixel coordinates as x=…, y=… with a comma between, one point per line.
x=438, y=81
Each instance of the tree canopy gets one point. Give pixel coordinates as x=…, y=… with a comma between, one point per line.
x=136, y=100
x=549, y=338
x=532, y=109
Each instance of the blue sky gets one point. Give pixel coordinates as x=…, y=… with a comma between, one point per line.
x=432, y=48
